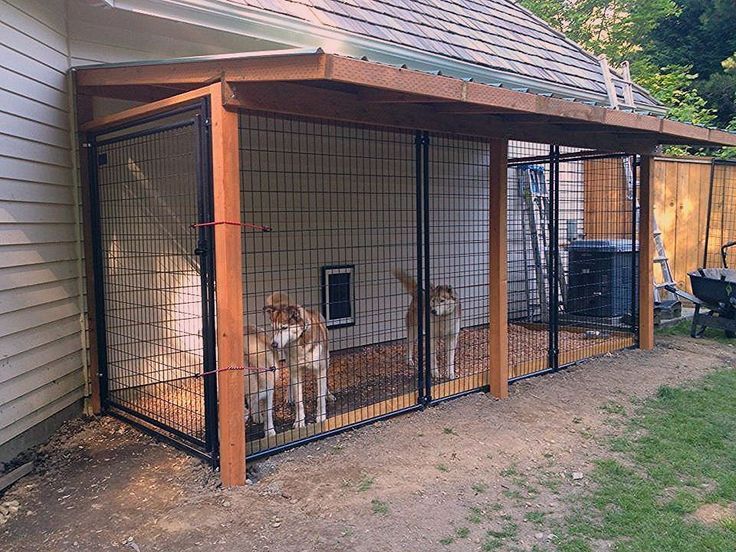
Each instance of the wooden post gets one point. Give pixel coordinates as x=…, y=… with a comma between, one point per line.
x=646, y=253
x=84, y=113
x=498, y=327
x=229, y=290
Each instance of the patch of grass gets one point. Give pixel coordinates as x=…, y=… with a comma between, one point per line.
x=447, y=540
x=462, y=532
x=494, y=540
x=614, y=408
x=551, y=481
x=476, y=515
x=535, y=517
x=442, y=468
x=511, y=471
x=679, y=453
x=365, y=483
x=479, y=487
x=379, y=507
x=337, y=449
x=513, y=494
x=449, y=431
x=683, y=328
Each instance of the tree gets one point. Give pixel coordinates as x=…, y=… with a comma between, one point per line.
x=610, y=27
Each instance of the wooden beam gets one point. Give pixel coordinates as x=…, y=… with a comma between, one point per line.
x=229, y=291
x=142, y=94
x=275, y=67
x=297, y=99
x=372, y=77
x=646, y=253
x=151, y=108
x=83, y=113
x=498, y=323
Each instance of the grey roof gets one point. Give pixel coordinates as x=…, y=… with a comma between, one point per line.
x=498, y=34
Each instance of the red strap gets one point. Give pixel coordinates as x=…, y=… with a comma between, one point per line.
x=234, y=369
x=232, y=223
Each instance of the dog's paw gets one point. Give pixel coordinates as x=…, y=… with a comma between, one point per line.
x=299, y=424
x=321, y=419
x=331, y=397
x=271, y=433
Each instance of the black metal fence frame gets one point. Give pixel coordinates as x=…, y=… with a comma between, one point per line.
x=207, y=448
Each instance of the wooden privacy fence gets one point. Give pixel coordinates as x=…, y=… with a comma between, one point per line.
x=681, y=192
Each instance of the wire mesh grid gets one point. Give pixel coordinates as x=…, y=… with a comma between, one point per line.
x=147, y=194
x=320, y=286
x=572, y=256
x=721, y=227
x=458, y=171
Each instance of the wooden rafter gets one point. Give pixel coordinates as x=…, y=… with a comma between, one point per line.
x=375, y=79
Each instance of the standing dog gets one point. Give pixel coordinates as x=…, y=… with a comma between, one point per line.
x=445, y=310
x=302, y=335
x=261, y=374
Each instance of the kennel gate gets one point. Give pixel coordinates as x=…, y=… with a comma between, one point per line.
x=150, y=190
x=572, y=256
x=346, y=205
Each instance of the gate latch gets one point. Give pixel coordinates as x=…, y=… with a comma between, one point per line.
x=200, y=251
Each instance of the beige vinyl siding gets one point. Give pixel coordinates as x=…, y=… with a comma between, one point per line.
x=40, y=342
x=41, y=363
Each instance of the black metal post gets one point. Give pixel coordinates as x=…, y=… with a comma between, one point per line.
x=634, y=250
x=555, y=254
x=206, y=250
x=427, y=270
x=418, y=151
x=100, y=326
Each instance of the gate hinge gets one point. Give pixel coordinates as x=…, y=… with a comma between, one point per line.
x=207, y=121
x=86, y=145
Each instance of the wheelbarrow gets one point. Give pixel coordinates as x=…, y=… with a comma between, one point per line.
x=714, y=297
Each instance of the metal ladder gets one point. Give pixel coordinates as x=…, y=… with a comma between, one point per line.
x=535, y=195
x=663, y=297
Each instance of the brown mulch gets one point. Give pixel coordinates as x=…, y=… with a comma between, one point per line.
x=357, y=377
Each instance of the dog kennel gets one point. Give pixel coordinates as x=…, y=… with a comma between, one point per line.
x=328, y=189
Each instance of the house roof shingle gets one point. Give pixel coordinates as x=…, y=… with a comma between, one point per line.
x=497, y=34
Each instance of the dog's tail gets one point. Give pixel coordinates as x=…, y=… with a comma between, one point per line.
x=409, y=283
x=278, y=298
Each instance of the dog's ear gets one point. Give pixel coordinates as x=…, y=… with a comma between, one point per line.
x=269, y=309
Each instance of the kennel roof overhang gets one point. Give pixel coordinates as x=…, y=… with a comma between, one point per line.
x=329, y=86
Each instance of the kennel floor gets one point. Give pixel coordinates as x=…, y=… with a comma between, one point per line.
x=371, y=381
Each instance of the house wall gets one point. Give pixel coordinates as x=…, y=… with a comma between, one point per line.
x=40, y=340
x=337, y=194
x=41, y=287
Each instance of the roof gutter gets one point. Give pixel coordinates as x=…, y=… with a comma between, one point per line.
x=291, y=32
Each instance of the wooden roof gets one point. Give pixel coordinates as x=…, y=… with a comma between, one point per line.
x=339, y=88
x=498, y=34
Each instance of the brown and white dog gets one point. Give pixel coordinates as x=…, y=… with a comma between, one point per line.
x=261, y=374
x=446, y=314
x=301, y=334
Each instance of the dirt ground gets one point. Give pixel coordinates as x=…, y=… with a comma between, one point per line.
x=440, y=479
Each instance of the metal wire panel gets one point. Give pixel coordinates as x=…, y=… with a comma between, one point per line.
x=341, y=204
x=458, y=171
x=721, y=228
x=528, y=246
x=147, y=191
x=572, y=254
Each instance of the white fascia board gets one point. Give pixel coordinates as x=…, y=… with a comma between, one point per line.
x=289, y=32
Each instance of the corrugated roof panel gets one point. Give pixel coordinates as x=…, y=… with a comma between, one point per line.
x=497, y=34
